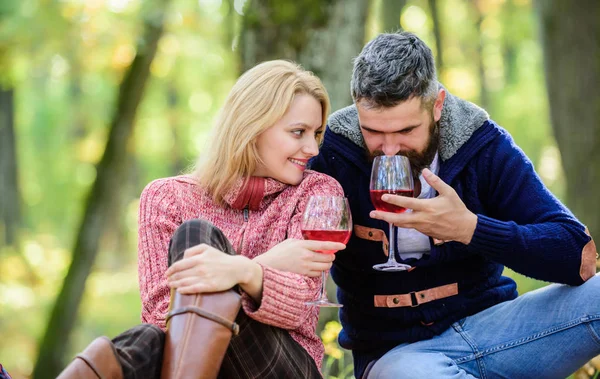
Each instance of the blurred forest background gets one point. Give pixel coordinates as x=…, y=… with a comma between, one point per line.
x=99, y=97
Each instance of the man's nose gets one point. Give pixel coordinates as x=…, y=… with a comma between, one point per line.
x=390, y=146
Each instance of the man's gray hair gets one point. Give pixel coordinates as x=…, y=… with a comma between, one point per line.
x=393, y=68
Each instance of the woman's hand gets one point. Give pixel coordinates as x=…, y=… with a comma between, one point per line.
x=300, y=256
x=206, y=269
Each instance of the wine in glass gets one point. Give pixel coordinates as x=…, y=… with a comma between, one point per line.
x=326, y=218
x=391, y=175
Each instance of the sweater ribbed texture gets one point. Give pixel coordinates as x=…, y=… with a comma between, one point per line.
x=167, y=203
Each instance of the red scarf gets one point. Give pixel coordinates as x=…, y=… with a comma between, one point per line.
x=251, y=194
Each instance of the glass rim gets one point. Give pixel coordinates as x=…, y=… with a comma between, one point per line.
x=385, y=157
x=327, y=196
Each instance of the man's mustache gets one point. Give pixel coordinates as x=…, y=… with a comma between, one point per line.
x=379, y=153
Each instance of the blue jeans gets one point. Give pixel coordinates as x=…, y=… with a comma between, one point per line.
x=548, y=333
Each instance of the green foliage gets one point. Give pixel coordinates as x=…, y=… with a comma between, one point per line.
x=337, y=363
x=513, y=70
x=288, y=23
x=304, y=12
x=66, y=59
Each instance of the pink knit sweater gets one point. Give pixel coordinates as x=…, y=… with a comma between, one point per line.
x=167, y=203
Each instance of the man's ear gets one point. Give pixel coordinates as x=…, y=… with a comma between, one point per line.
x=439, y=105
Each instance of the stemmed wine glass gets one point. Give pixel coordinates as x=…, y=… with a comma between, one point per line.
x=391, y=174
x=326, y=218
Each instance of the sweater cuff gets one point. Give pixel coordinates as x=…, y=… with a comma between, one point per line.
x=492, y=237
x=283, y=298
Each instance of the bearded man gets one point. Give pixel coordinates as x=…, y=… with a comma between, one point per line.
x=479, y=206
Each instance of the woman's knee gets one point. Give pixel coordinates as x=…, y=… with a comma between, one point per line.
x=195, y=232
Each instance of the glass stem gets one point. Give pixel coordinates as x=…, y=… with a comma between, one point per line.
x=392, y=246
x=323, y=294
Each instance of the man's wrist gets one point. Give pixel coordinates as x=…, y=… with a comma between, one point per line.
x=470, y=227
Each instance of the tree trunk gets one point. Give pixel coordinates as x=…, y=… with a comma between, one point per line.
x=332, y=47
x=571, y=40
x=10, y=214
x=389, y=14
x=323, y=36
x=111, y=173
x=437, y=32
x=278, y=29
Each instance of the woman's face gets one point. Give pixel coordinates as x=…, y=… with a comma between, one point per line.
x=286, y=147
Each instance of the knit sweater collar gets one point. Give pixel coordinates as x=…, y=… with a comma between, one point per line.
x=249, y=192
x=459, y=120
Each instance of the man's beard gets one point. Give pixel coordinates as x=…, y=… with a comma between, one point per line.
x=419, y=161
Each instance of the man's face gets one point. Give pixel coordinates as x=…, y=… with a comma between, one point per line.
x=405, y=129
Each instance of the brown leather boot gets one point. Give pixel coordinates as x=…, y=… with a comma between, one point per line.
x=199, y=328
x=97, y=361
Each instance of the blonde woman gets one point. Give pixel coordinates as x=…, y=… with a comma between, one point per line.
x=234, y=223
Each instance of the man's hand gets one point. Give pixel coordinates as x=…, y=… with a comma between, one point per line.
x=300, y=256
x=444, y=217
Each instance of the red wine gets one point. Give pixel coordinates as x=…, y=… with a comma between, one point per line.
x=381, y=205
x=327, y=235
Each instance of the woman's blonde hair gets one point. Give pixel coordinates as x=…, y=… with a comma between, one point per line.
x=260, y=98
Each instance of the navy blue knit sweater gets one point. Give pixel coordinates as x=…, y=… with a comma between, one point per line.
x=520, y=225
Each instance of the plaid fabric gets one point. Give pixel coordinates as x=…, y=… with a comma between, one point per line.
x=196, y=232
x=140, y=351
x=263, y=351
x=259, y=351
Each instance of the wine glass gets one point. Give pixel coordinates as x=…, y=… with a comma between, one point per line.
x=391, y=174
x=326, y=218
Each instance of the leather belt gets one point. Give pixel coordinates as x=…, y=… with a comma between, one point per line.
x=414, y=299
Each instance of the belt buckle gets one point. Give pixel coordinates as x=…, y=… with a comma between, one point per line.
x=413, y=299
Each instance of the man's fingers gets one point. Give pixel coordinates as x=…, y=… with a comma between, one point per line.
x=403, y=201
x=403, y=220
x=437, y=183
